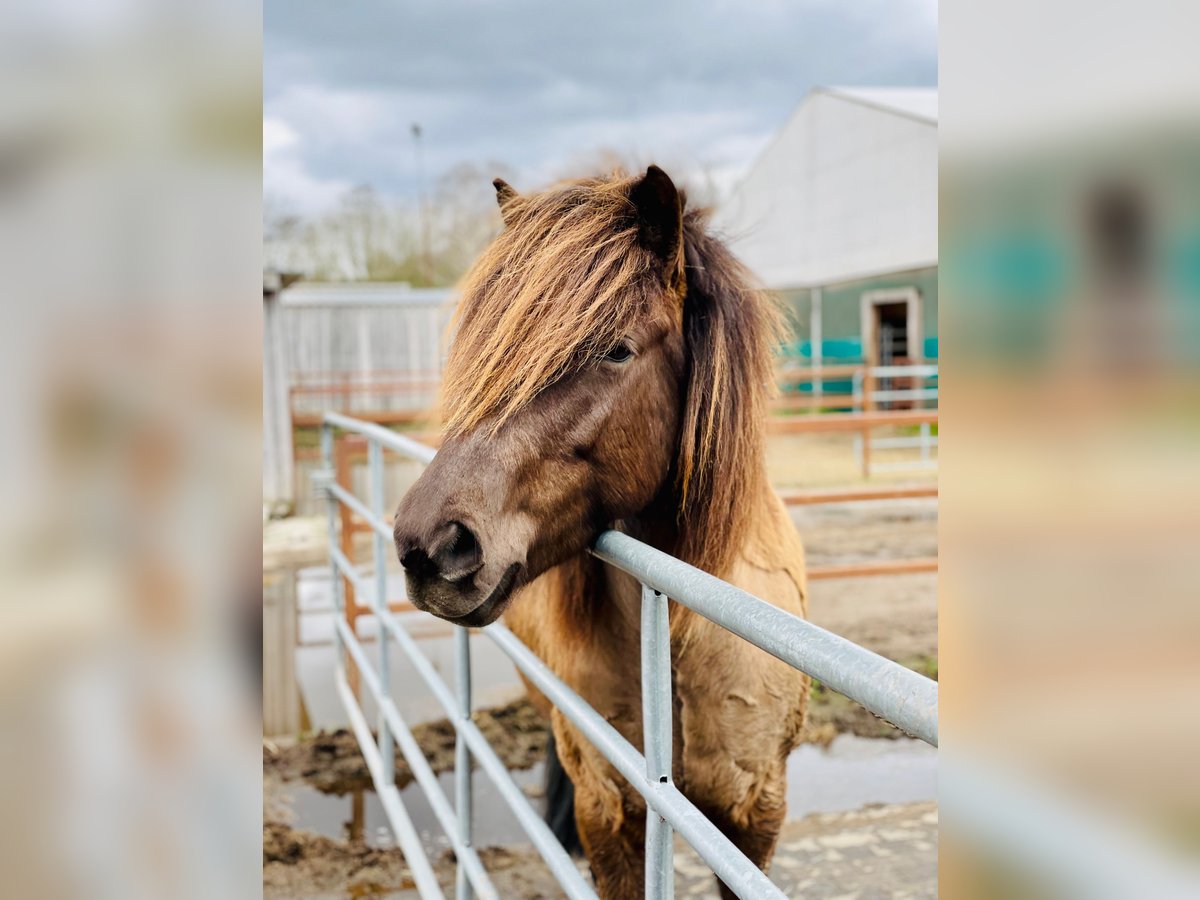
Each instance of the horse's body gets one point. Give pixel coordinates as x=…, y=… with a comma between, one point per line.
x=737, y=715
x=610, y=370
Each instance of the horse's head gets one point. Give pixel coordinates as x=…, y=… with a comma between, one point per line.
x=582, y=384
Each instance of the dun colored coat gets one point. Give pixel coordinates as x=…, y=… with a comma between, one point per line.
x=610, y=369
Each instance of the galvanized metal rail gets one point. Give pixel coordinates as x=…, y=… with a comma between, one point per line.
x=867, y=395
x=899, y=695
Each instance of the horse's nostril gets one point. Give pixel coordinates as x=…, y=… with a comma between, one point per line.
x=459, y=555
x=452, y=555
x=464, y=540
x=417, y=562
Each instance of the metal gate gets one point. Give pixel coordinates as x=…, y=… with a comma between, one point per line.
x=891, y=387
x=899, y=695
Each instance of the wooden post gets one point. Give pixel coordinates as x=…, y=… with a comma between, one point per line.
x=282, y=705
x=358, y=816
x=344, y=475
x=278, y=453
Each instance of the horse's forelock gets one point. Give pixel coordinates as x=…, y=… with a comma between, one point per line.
x=561, y=283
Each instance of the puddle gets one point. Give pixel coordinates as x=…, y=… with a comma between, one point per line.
x=334, y=817
x=852, y=773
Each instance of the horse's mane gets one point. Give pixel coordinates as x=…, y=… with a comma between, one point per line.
x=558, y=285
x=561, y=283
x=731, y=330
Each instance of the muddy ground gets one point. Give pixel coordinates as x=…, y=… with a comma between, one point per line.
x=895, y=616
x=330, y=761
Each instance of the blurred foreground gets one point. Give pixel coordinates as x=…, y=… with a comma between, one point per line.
x=129, y=362
x=1070, y=506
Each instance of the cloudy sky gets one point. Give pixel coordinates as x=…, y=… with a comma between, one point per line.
x=544, y=87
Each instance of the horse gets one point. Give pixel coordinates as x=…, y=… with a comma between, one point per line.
x=610, y=368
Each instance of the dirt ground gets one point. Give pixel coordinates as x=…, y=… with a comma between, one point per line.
x=892, y=615
x=822, y=460
x=330, y=761
x=875, y=852
x=820, y=856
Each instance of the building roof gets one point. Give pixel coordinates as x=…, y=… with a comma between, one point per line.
x=917, y=103
x=847, y=189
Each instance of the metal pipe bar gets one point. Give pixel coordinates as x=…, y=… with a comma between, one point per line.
x=360, y=509
x=557, y=859
x=342, y=563
x=390, y=439
x=656, y=734
x=916, y=464
x=375, y=464
x=462, y=756
x=903, y=697
x=389, y=797
x=410, y=416
x=899, y=443
x=423, y=773
x=905, y=394
x=729, y=864
x=791, y=372
x=1068, y=847
x=914, y=371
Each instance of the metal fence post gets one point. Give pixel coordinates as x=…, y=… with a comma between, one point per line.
x=333, y=509
x=462, y=757
x=375, y=463
x=656, y=736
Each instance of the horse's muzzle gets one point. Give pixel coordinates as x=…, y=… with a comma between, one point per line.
x=445, y=574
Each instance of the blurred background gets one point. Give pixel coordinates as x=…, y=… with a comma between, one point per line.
x=1070, y=238
x=161, y=717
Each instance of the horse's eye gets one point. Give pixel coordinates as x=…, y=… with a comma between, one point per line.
x=620, y=353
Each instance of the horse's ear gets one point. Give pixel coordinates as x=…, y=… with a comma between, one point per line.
x=659, y=215
x=504, y=195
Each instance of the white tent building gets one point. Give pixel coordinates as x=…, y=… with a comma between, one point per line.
x=839, y=215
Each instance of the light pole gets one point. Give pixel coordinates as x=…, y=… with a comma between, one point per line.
x=422, y=212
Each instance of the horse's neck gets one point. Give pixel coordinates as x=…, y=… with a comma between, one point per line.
x=660, y=524
x=608, y=600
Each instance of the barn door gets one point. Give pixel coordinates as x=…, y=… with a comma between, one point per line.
x=891, y=332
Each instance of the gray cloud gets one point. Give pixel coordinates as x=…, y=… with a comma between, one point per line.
x=539, y=85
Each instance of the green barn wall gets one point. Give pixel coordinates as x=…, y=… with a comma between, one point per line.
x=840, y=324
